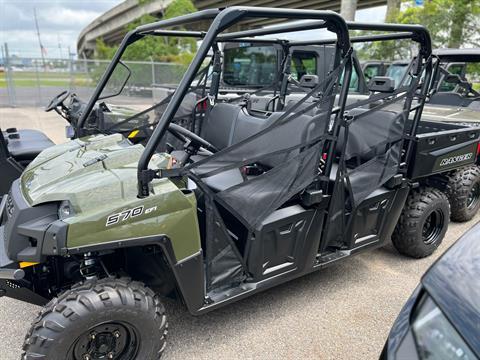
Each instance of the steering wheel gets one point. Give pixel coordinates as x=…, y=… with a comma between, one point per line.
x=190, y=138
x=57, y=100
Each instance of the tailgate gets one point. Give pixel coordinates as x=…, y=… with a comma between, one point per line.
x=443, y=151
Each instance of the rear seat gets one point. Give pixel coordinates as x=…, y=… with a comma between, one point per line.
x=367, y=135
x=365, y=139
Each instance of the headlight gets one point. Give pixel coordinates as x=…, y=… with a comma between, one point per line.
x=65, y=210
x=435, y=337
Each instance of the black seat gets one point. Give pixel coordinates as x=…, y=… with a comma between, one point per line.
x=25, y=145
x=228, y=124
x=369, y=134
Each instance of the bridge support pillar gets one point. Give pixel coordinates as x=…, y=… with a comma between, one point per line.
x=348, y=9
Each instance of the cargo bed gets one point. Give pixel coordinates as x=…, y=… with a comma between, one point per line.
x=439, y=147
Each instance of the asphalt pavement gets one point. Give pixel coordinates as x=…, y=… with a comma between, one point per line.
x=342, y=312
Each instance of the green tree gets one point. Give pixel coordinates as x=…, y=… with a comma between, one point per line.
x=452, y=23
x=178, y=8
x=155, y=48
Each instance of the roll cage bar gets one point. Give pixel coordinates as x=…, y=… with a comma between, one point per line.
x=224, y=18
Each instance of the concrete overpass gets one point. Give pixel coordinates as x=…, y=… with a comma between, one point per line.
x=111, y=25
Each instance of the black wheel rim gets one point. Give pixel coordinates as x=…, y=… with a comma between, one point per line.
x=109, y=340
x=473, y=196
x=432, y=227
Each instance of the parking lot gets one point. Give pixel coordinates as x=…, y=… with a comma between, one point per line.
x=342, y=312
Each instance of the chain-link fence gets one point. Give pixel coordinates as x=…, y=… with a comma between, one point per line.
x=35, y=81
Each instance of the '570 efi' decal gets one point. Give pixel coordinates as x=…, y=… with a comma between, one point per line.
x=455, y=159
x=127, y=214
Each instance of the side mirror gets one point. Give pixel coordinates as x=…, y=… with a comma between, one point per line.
x=382, y=84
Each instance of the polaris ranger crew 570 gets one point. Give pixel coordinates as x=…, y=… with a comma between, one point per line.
x=97, y=229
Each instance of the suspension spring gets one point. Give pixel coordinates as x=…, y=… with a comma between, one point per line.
x=88, y=266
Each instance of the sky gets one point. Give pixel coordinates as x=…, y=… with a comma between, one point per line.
x=60, y=23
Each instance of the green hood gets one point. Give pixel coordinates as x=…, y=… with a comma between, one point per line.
x=91, y=170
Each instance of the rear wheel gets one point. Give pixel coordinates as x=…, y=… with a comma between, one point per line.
x=423, y=223
x=463, y=191
x=99, y=319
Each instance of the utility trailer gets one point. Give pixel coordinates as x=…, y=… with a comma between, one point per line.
x=98, y=229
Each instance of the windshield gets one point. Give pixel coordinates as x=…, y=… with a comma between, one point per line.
x=371, y=71
x=397, y=72
x=469, y=72
x=303, y=63
x=139, y=87
x=249, y=65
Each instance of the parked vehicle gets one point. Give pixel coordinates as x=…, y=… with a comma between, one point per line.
x=17, y=149
x=440, y=320
x=98, y=228
x=456, y=90
x=454, y=99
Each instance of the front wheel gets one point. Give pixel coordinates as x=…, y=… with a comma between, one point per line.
x=423, y=223
x=99, y=319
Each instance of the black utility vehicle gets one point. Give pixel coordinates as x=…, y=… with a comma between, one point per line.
x=17, y=149
x=98, y=228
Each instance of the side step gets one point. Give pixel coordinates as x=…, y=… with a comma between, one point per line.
x=333, y=256
x=328, y=258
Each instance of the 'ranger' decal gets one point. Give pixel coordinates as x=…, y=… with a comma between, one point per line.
x=455, y=159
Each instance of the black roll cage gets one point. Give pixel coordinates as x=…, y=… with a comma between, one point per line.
x=224, y=18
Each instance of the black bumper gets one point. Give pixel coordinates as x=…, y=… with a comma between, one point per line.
x=13, y=282
x=12, y=279
x=8, y=269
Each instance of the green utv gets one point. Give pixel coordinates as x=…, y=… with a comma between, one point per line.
x=97, y=229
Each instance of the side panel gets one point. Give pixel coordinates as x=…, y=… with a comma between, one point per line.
x=277, y=246
x=376, y=217
x=171, y=213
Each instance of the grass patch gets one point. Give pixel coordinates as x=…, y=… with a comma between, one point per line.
x=32, y=79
